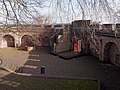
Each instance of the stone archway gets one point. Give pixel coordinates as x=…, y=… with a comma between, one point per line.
x=26, y=40
x=10, y=40
x=112, y=53
x=45, y=41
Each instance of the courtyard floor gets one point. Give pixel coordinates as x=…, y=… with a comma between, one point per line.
x=85, y=67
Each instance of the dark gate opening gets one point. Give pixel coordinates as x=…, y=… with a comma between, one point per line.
x=26, y=41
x=10, y=40
x=111, y=53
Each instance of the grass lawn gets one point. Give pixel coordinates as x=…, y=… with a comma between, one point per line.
x=38, y=83
x=9, y=50
x=13, y=54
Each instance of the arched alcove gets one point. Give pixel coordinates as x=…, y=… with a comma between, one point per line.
x=10, y=40
x=26, y=40
x=111, y=53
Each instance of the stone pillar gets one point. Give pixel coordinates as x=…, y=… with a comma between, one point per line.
x=17, y=40
x=101, y=50
x=3, y=42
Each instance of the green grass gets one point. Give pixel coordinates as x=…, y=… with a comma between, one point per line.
x=9, y=49
x=10, y=54
x=37, y=83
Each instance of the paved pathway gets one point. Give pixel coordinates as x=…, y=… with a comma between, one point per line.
x=86, y=67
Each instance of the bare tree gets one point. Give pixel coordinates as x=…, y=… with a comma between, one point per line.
x=96, y=10
x=19, y=11
x=42, y=19
x=23, y=11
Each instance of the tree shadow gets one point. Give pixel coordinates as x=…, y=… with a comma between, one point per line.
x=31, y=68
x=33, y=64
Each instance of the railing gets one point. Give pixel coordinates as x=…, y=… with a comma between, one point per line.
x=108, y=33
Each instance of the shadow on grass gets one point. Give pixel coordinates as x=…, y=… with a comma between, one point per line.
x=16, y=82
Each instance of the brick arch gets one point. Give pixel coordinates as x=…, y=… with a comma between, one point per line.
x=111, y=53
x=26, y=40
x=10, y=40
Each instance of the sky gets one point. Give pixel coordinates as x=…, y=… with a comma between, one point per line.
x=97, y=13
x=65, y=11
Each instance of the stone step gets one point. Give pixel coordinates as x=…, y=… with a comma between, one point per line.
x=70, y=54
x=54, y=53
x=3, y=64
x=19, y=70
x=14, y=68
x=11, y=67
x=8, y=65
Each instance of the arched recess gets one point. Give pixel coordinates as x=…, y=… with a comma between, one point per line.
x=45, y=41
x=112, y=53
x=26, y=40
x=10, y=40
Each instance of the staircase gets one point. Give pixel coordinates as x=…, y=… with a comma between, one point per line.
x=10, y=67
